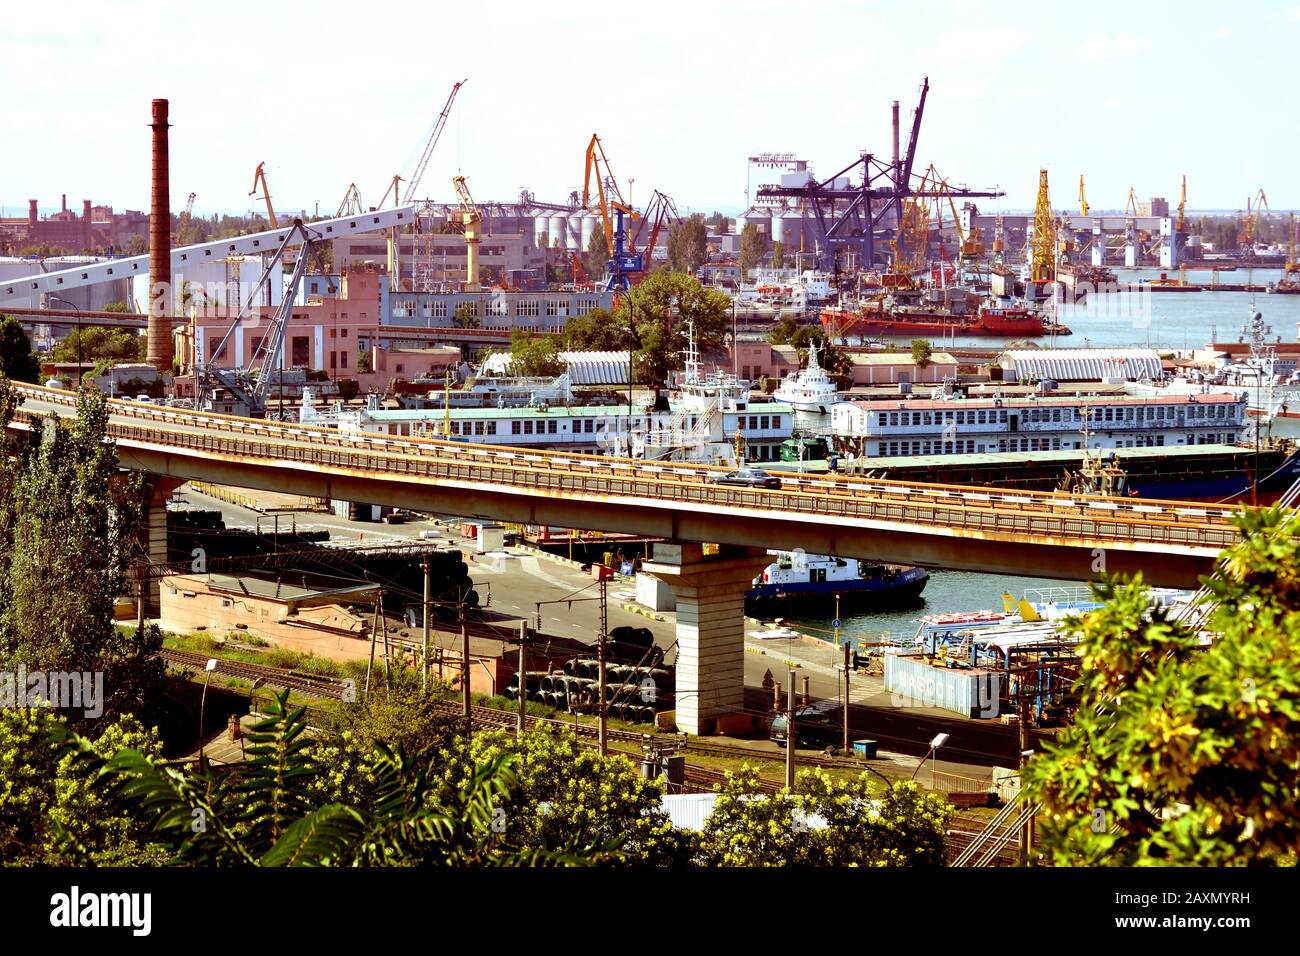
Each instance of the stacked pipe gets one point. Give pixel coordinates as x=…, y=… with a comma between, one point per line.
x=633, y=692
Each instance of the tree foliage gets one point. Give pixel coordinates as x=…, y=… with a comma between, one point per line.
x=67, y=532
x=465, y=317
x=688, y=245
x=596, y=256
x=117, y=345
x=754, y=248
x=17, y=362
x=52, y=810
x=535, y=355
x=654, y=317
x=824, y=821
x=1181, y=754
x=921, y=352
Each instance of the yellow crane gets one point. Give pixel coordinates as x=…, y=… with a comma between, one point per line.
x=1083, y=201
x=1292, y=266
x=1250, y=222
x=259, y=179
x=607, y=189
x=1131, y=207
x=470, y=218
x=1042, y=252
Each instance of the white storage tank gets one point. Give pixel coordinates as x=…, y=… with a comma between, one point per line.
x=541, y=230
x=559, y=230
x=574, y=235
x=588, y=229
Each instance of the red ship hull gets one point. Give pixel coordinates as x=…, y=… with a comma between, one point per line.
x=1011, y=323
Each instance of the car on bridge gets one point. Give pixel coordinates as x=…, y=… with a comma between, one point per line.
x=749, y=478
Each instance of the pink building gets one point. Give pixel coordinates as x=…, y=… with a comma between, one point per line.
x=329, y=334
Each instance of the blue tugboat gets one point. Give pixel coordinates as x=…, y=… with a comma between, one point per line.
x=796, y=579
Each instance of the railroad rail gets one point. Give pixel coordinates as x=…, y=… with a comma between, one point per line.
x=309, y=685
x=1058, y=519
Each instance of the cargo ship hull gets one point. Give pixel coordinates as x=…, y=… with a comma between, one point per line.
x=893, y=589
x=922, y=324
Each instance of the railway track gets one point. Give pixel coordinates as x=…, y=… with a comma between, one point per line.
x=309, y=685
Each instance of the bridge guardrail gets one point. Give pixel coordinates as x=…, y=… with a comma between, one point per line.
x=884, y=502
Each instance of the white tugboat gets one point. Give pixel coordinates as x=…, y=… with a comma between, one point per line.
x=811, y=390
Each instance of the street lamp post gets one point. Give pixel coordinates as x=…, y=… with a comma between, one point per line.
x=938, y=741
x=55, y=298
x=207, y=675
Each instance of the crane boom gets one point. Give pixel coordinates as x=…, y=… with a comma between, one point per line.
x=183, y=227
x=1083, y=201
x=259, y=177
x=413, y=183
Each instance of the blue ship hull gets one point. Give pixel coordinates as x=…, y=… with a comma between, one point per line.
x=1225, y=490
x=869, y=593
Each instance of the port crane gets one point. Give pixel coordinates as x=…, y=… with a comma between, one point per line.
x=1250, y=222
x=1042, y=251
x=470, y=220
x=849, y=219
x=259, y=179
x=394, y=190
x=1181, y=227
x=251, y=385
x=660, y=211
x=351, y=204
x=183, y=227
x=1083, y=200
x=413, y=183
x=623, y=263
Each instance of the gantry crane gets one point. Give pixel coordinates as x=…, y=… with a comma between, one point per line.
x=259, y=178
x=622, y=264
x=1083, y=200
x=351, y=204
x=470, y=219
x=183, y=227
x=413, y=183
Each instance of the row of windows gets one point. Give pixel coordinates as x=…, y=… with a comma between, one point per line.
x=962, y=446
x=959, y=447
x=1143, y=413
x=524, y=308
x=756, y=421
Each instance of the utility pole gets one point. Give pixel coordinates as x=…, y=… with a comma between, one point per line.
x=847, y=665
x=374, y=636
x=464, y=677
x=1022, y=701
x=424, y=660
x=522, y=724
x=789, y=733
x=602, y=707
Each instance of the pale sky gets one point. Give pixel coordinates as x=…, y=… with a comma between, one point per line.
x=328, y=93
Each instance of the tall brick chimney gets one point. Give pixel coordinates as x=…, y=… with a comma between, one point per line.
x=160, y=248
x=85, y=224
x=31, y=212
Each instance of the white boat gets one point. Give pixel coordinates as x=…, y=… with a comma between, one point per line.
x=811, y=390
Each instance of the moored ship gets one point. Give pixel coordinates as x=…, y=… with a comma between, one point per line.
x=799, y=579
x=988, y=320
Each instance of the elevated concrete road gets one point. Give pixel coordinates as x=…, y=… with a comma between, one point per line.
x=1020, y=533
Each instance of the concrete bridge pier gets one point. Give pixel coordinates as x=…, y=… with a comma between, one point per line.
x=153, y=545
x=710, y=592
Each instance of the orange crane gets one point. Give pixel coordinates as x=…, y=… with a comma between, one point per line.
x=394, y=190
x=1250, y=222
x=259, y=178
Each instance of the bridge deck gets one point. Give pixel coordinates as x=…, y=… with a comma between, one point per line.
x=1037, y=533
